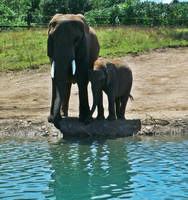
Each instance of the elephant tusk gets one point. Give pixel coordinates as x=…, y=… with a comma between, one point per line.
x=53, y=69
x=73, y=67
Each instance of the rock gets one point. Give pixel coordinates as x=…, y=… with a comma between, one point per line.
x=71, y=127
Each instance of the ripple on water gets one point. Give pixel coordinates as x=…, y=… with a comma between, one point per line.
x=25, y=170
x=130, y=168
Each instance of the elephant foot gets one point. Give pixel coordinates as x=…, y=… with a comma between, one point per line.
x=100, y=117
x=56, y=124
x=84, y=117
x=64, y=114
x=81, y=119
x=111, y=118
x=88, y=121
x=121, y=118
x=54, y=121
x=50, y=119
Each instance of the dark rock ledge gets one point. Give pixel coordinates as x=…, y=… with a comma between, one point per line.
x=103, y=128
x=71, y=127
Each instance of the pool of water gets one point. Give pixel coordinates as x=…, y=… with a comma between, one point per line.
x=128, y=168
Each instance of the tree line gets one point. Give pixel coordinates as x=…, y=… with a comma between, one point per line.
x=97, y=12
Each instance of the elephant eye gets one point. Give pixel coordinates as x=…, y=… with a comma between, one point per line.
x=53, y=24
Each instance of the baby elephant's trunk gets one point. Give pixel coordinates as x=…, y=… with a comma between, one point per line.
x=88, y=120
x=92, y=110
x=131, y=97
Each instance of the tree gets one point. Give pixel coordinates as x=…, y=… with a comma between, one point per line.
x=15, y=12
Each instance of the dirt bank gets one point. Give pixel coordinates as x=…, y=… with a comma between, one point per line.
x=160, y=90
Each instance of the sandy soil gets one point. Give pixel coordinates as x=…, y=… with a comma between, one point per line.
x=160, y=89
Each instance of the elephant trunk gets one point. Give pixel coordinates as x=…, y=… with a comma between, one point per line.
x=57, y=98
x=88, y=120
x=95, y=101
x=93, y=109
x=59, y=80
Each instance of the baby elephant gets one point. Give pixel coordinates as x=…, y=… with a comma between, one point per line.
x=115, y=79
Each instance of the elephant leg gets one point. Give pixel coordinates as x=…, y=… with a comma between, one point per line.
x=65, y=103
x=123, y=107
x=54, y=101
x=100, y=115
x=117, y=107
x=57, y=98
x=83, y=101
x=50, y=117
x=111, y=107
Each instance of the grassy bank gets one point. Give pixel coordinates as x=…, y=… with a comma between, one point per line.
x=133, y=40
x=23, y=49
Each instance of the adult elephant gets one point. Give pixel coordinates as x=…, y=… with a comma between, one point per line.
x=72, y=48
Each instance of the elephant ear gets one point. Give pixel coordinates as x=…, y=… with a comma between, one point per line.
x=50, y=47
x=108, y=71
x=86, y=27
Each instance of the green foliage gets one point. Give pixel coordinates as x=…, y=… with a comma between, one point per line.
x=14, y=12
x=141, y=13
x=97, y=12
x=24, y=49
x=50, y=7
x=98, y=4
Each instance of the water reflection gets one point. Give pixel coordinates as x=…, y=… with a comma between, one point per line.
x=90, y=170
x=134, y=168
x=128, y=168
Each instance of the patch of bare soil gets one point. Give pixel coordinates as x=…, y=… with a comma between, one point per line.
x=160, y=90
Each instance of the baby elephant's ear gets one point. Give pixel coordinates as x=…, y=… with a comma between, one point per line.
x=109, y=70
x=109, y=66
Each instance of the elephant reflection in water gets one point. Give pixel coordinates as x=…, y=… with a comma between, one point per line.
x=84, y=170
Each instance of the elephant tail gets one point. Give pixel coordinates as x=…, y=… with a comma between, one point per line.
x=131, y=97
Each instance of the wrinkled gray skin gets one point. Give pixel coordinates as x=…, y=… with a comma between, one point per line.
x=70, y=38
x=115, y=79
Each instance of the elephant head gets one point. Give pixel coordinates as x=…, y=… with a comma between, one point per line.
x=66, y=37
x=100, y=78
x=68, y=47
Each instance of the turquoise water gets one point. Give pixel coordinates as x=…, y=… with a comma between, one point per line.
x=129, y=168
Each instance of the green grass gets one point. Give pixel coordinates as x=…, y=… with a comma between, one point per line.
x=24, y=49
x=134, y=40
